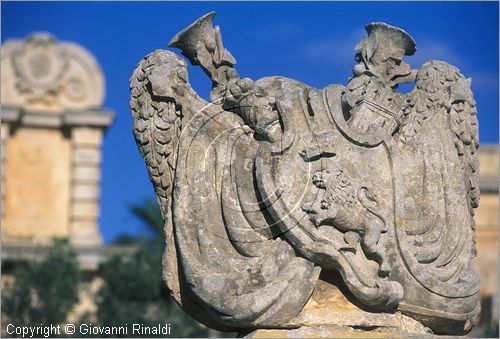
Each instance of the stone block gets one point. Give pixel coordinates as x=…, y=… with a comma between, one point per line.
x=86, y=155
x=84, y=235
x=86, y=136
x=85, y=192
x=85, y=210
x=83, y=227
x=86, y=174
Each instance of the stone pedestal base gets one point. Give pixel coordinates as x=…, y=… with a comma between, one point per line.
x=335, y=332
x=332, y=312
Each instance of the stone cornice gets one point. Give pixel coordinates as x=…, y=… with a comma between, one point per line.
x=90, y=118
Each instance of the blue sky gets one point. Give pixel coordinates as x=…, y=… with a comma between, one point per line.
x=310, y=42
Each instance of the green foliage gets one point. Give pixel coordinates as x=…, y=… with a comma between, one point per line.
x=43, y=292
x=134, y=290
x=149, y=214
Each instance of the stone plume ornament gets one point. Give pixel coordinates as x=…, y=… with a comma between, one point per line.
x=314, y=211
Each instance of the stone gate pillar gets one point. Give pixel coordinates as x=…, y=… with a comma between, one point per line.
x=52, y=125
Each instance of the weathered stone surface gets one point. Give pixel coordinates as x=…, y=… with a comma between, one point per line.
x=274, y=181
x=85, y=136
x=334, y=332
x=34, y=210
x=340, y=332
x=85, y=210
x=329, y=306
x=87, y=155
x=85, y=192
x=85, y=174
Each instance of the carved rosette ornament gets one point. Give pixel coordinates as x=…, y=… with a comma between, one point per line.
x=275, y=185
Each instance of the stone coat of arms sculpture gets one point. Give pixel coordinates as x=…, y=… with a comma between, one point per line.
x=274, y=186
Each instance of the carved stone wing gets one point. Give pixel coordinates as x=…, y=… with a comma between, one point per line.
x=442, y=89
x=434, y=162
x=161, y=98
x=464, y=125
x=157, y=117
